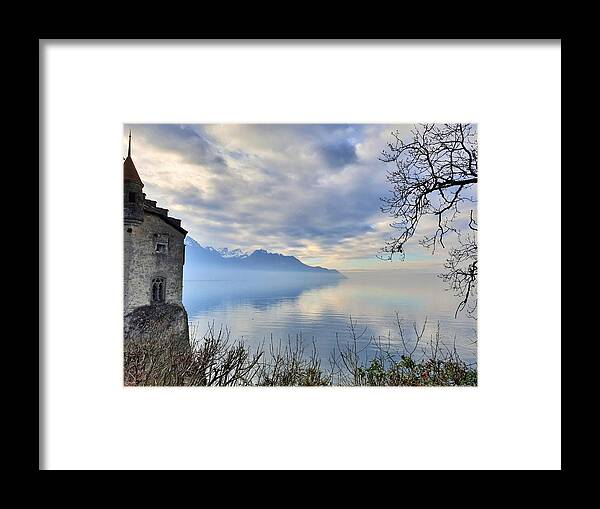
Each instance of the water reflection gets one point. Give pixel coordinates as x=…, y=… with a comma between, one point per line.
x=258, y=290
x=262, y=306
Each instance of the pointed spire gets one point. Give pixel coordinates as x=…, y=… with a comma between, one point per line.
x=129, y=170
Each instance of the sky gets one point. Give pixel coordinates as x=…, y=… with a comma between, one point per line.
x=307, y=190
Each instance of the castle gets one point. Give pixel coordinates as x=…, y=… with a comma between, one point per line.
x=154, y=254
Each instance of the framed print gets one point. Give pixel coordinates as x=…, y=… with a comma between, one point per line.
x=282, y=255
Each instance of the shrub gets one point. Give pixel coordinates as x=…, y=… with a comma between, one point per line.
x=216, y=360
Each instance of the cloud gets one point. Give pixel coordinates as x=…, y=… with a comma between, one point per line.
x=306, y=190
x=339, y=154
x=188, y=142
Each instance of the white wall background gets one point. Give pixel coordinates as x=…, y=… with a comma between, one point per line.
x=512, y=420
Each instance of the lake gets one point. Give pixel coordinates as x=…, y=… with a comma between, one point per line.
x=265, y=306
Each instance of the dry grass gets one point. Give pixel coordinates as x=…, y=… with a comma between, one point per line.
x=216, y=360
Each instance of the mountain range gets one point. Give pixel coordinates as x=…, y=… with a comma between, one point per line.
x=202, y=259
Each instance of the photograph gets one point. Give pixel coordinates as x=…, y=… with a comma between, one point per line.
x=300, y=254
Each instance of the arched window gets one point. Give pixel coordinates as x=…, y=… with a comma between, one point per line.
x=158, y=289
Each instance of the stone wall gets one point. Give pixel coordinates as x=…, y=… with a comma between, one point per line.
x=142, y=263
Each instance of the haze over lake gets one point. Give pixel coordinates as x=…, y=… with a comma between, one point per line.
x=261, y=305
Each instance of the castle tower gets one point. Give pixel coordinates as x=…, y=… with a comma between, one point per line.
x=132, y=191
x=154, y=254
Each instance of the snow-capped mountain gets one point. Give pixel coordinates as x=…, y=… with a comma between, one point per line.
x=231, y=253
x=223, y=252
x=200, y=259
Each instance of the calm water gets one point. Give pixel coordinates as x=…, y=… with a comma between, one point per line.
x=267, y=305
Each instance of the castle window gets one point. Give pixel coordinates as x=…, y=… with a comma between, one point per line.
x=158, y=289
x=131, y=197
x=161, y=243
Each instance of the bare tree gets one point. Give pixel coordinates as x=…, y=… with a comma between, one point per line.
x=434, y=174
